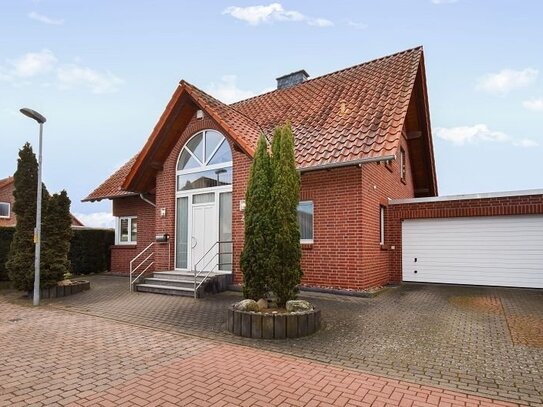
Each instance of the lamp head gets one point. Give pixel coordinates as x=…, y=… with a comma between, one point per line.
x=33, y=115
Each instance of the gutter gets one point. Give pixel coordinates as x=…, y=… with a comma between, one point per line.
x=146, y=200
x=349, y=163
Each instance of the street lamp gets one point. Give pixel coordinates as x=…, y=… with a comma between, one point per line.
x=37, y=231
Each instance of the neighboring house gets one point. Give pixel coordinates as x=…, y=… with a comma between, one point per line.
x=7, y=216
x=362, y=138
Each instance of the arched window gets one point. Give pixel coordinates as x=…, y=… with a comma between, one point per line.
x=204, y=162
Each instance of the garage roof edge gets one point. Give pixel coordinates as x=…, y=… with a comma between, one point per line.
x=486, y=195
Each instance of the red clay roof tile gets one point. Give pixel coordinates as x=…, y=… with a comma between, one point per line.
x=353, y=114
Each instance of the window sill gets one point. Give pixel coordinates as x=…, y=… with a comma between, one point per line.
x=124, y=246
x=306, y=245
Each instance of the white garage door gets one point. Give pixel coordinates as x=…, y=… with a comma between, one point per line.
x=494, y=250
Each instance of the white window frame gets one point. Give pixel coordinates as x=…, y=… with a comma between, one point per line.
x=9, y=210
x=381, y=225
x=118, y=231
x=309, y=241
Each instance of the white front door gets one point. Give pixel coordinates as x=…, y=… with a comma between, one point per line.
x=204, y=235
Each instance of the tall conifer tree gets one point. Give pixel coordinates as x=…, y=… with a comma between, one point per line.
x=256, y=257
x=287, y=271
x=20, y=263
x=57, y=234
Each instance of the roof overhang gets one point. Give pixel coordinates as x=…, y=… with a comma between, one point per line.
x=178, y=113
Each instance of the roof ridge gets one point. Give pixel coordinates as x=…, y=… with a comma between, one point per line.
x=230, y=106
x=371, y=61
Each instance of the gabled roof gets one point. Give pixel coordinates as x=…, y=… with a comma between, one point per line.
x=353, y=115
x=347, y=115
x=4, y=182
x=184, y=102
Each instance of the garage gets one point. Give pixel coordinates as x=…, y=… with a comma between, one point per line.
x=487, y=250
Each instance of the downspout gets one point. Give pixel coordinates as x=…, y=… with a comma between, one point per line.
x=146, y=200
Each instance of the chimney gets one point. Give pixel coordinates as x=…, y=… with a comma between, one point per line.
x=291, y=79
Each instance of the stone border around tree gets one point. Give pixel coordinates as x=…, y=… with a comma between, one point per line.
x=63, y=290
x=259, y=325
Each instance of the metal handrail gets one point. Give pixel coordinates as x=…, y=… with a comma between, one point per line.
x=197, y=273
x=132, y=269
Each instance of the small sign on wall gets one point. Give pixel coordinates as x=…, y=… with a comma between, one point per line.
x=242, y=205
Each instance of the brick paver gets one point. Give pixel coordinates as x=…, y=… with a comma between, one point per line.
x=54, y=357
x=481, y=340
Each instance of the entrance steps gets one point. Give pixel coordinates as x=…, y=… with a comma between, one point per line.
x=181, y=283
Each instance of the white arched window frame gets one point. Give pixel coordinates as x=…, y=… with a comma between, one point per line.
x=205, y=161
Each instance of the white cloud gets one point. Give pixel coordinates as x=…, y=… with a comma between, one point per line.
x=255, y=15
x=44, y=19
x=534, y=104
x=480, y=133
x=65, y=76
x=525, y=142
x=96, y=219
x=507, y=80
x=357, y=25
x=72, y=75
x=227, y=90
x=32, y=64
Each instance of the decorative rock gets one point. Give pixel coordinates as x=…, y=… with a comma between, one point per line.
x=246, y=305
x=262, y=304
x=298, y=305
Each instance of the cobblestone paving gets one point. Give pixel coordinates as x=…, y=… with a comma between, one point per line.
x=481, y=340
x=52, y=357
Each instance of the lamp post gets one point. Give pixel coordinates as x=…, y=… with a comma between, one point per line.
x=37, y=231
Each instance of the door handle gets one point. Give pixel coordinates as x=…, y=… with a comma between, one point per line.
x=193, y=242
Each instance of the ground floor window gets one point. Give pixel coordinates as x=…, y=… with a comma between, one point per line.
x=305, y=219
x=5, y=210
x=127, y=230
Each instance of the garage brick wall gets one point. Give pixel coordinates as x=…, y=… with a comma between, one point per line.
x=497, y=206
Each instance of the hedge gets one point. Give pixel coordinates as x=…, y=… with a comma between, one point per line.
x=6, y=235
x=89, y=250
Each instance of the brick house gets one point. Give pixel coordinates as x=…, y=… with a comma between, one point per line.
x=7, y=216
x=362, y=139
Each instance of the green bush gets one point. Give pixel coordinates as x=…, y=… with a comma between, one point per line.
x=6, y=236
x=256, y=258
x=89, y=250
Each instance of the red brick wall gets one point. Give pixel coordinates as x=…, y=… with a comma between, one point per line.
x=379, y=182
x=6, y=195
x=132, y=206
x=515, y=205
x=333, y=260
x=346, y=251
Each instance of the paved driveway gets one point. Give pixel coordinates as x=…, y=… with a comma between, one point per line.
x=480, y=340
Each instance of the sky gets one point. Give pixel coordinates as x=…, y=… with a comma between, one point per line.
x=103, y=71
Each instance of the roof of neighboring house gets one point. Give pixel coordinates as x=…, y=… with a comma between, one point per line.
x=354, y=114
x=4, y=182
x=10, y=180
